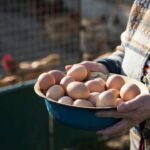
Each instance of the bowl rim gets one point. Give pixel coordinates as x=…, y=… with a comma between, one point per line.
x=78, y=107
x=94, y=75
x=39, y=93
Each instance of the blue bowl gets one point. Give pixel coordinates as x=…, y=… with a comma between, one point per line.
x=77, y=117
x=84, y=117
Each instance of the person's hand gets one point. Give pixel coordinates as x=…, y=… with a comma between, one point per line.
x=91, y=67
x=132, y=112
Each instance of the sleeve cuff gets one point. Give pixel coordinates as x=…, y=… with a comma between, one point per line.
x=111, y=65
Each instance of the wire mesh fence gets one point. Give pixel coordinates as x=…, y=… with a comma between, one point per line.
x=102, y=22
x=31, y=31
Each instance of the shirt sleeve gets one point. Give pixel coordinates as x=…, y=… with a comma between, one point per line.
x=113, y=62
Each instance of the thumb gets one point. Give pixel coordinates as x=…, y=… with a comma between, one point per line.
x=68, y=67
x=129, y=105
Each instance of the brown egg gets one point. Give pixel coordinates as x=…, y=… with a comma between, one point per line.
x=93, y=97
x=45, y=81
x=57, y=74
x=101, y=81
x=116, y=92
x=78, y=90
x=65, y=100
x=129, y=91
x=82, y=103
x=55, y=92
x=106, y=99
x=78, y=72
x=115, y=82
x=95, y=86
x=66, y=80
x=119, y=101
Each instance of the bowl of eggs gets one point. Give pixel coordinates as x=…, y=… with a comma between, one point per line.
x=73, y=98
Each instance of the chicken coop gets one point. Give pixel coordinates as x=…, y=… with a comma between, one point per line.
x=41, y=35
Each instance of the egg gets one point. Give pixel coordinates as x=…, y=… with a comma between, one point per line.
x=93, y=97
x=78, y=72
x=115, y=82
x=101, y=81
x=95, y=86
x=89, y=66
x=66, y=80
x=129, y=91
x=57, y=74
x=119, y=101
x=78, y=90
x=65, y=100
x=82, y=103
x=106, y=99
x=116, y=92
x=45, y=81
x=55, y=92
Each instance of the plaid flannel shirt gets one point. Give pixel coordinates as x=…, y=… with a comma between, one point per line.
x=132, y=54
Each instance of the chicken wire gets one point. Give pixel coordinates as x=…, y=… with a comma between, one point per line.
x=102, y=25
x=32, y=29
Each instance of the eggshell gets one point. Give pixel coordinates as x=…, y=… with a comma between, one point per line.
x=93, y=97
x=129, y=91
x=115, y=82
x=82, y=103
x=116, y=92
x=119, y=101
x=95, y=86
x=55, y=92
x=77, y=90
x=45, y=81
x=66, y=80
x=101, y=81
x=89, y=66
x=106, y=99
x=65, y=100
x=57, y=74
x=78, y=72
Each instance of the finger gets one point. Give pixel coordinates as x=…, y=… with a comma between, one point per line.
x=130, y=105
x=114, y=114
x=91, y=66
x=68, y=67
x=117, y=129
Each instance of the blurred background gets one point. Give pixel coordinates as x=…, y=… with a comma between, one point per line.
x=40, y=35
